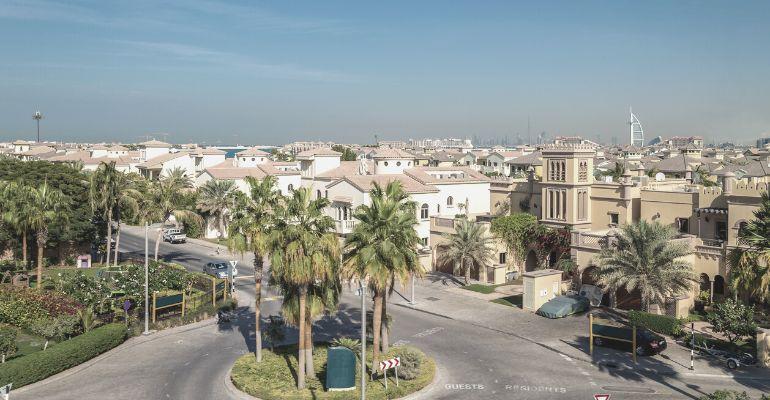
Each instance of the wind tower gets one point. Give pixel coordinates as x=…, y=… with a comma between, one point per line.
x=636, y=130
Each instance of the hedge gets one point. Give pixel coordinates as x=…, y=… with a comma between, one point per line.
x=42, y=364
x=657, y=323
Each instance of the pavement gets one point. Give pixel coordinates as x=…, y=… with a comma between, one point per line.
x=482, y=349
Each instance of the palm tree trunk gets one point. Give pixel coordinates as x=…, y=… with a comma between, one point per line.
x=117, y=243
x=259, y=263
x=109, y=235
x=385, y=339
x=467, y=272
x=221, y=227
x=483, y=274
x=309, y=368
x=24, y=248
x=301, y=341
x=40, y=248
x=157, y=242
x=376, y=327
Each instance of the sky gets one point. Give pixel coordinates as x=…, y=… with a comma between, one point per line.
x=272, y=72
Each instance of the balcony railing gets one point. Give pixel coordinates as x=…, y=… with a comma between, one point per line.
x=713, y=242
x=444, y=222
x=591, y=240
x=346, y=226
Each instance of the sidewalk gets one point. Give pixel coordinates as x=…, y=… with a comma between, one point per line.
x=439, y=294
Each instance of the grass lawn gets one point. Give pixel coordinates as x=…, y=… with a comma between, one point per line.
x=28, y=343
x=510, y=301
x=274, y=377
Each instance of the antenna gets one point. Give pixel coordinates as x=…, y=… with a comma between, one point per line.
x=37, y=117
x=529, y=136
x=635, y=129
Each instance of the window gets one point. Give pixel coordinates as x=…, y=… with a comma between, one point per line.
x=290, y=187
x=582, y=208
x=614, y=218
x=398, y=163
x=408, y=163
x=502, y=258
x=721, y=233
x=253, y=159
x=449, y=201
x=583, y=171
x=742, y=227
x=683, y=225
x=326, y=194
x=424, y=211
x=318, y=194
x=385, y=163
x=495, y=164
x=424, y=241
x=557, y=170
x=556, y=204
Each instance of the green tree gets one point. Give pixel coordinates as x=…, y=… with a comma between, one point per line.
x=616, y=172
x=382, y=248
x=112, y=191
x=750, y=262
x=646, y=258
x=16, y=211
x=470, y=246
x=252, y=219
x=516, y=231
x=303, y=250
x=7, y=341
x=217, y=198
x=733, y=319
x=347, y=153
x=46, y=205
x=701, y=176
x=274, y=330
x=169, y=199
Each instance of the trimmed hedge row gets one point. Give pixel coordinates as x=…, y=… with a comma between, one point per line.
x=42, y=364
x=657, y=323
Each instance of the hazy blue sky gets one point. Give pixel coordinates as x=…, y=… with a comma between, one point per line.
x=276, y=71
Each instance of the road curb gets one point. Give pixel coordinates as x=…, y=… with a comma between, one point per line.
x=233, y=391
x=428, y=389
x=128, y=344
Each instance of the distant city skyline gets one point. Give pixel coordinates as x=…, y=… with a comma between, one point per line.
x=275, y=72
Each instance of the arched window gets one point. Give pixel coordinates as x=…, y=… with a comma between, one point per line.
x=742, y=227
x=450, y=201
x=317, y=194
x=424, y=211
x=290, y=187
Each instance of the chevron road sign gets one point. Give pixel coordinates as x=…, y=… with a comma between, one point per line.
x=388, y=364
x=601, y=397
x=385, y=365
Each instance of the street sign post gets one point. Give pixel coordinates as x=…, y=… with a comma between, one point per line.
x=5, y=391
x=232, y=272
x=385, y=365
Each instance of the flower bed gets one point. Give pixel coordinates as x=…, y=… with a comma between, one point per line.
x=22, y=307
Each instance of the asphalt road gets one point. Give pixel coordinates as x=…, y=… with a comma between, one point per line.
x=473, y=361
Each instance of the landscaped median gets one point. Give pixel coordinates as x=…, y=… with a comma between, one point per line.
x=62, y=356
x=274, y=379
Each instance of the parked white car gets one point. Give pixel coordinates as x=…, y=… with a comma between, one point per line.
x=174, y=235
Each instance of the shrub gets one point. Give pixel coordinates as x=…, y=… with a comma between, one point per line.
x=7, y=341
x=733, y=319
x=42, y=364
x=22, y=306
x=730, y=395
x=59, y=328
x=85, y=289
x=274, y=331
x=353, y=345
x=657, y=323
x=411, y=362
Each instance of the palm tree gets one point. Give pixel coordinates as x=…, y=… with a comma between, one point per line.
x=646, y=259
x=470, y=246
x=16, y=211
x=252, y=219
x=46, y=206
x=168, y=199
x=216, y=198
x=750, y=262
x=303, y=250
x=103, y=190
x=128, y=200
x=382, y=248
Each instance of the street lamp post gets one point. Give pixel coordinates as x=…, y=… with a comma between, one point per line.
x=146, y=281
x=37, y=117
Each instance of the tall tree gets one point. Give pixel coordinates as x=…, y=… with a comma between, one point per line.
x=468, y=247
x=128, y=199
x=168, y=196
x=750, y=262
x=303, y=250
x=382, y=248
x=217, y=198
x=645, y=258
x=47, y=205
x=16, y=211
x=103, y=194
x=252, y=220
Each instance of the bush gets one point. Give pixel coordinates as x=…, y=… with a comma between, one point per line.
x=730, y=395
x=42, y=364
x=733, y=319
x=411, y=362
x=662, y=324
x=58, y=328
x=7, y=341
x=23, y=306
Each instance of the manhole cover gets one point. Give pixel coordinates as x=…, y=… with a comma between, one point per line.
x=432, y=298
x=628, y=389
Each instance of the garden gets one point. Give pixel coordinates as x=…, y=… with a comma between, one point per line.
x=274, y=378
x=79, y=313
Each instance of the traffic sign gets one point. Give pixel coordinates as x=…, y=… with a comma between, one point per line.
x=601, y=397
x=233, y=263
x=391, y=363
x=5, y=391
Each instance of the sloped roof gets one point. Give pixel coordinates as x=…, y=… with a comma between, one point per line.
x=392, y=153
x=252, y=151
x=365, y=183
x=535, y=158
x=346, y=168
x=154, y=143
x=38, y=150
x=157, y=161
x=117, y=147
x=200, y=151
x=422, y=175
x=676, y=164
x=319, y=152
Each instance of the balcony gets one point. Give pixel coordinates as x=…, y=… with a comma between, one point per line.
x=346, y=226
x=591, y=240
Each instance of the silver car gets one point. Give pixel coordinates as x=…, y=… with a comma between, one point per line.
x=216, y=269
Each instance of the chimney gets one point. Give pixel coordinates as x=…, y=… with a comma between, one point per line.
x=728, y=181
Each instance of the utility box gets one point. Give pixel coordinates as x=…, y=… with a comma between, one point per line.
x=541, y=286
x=340, y=369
